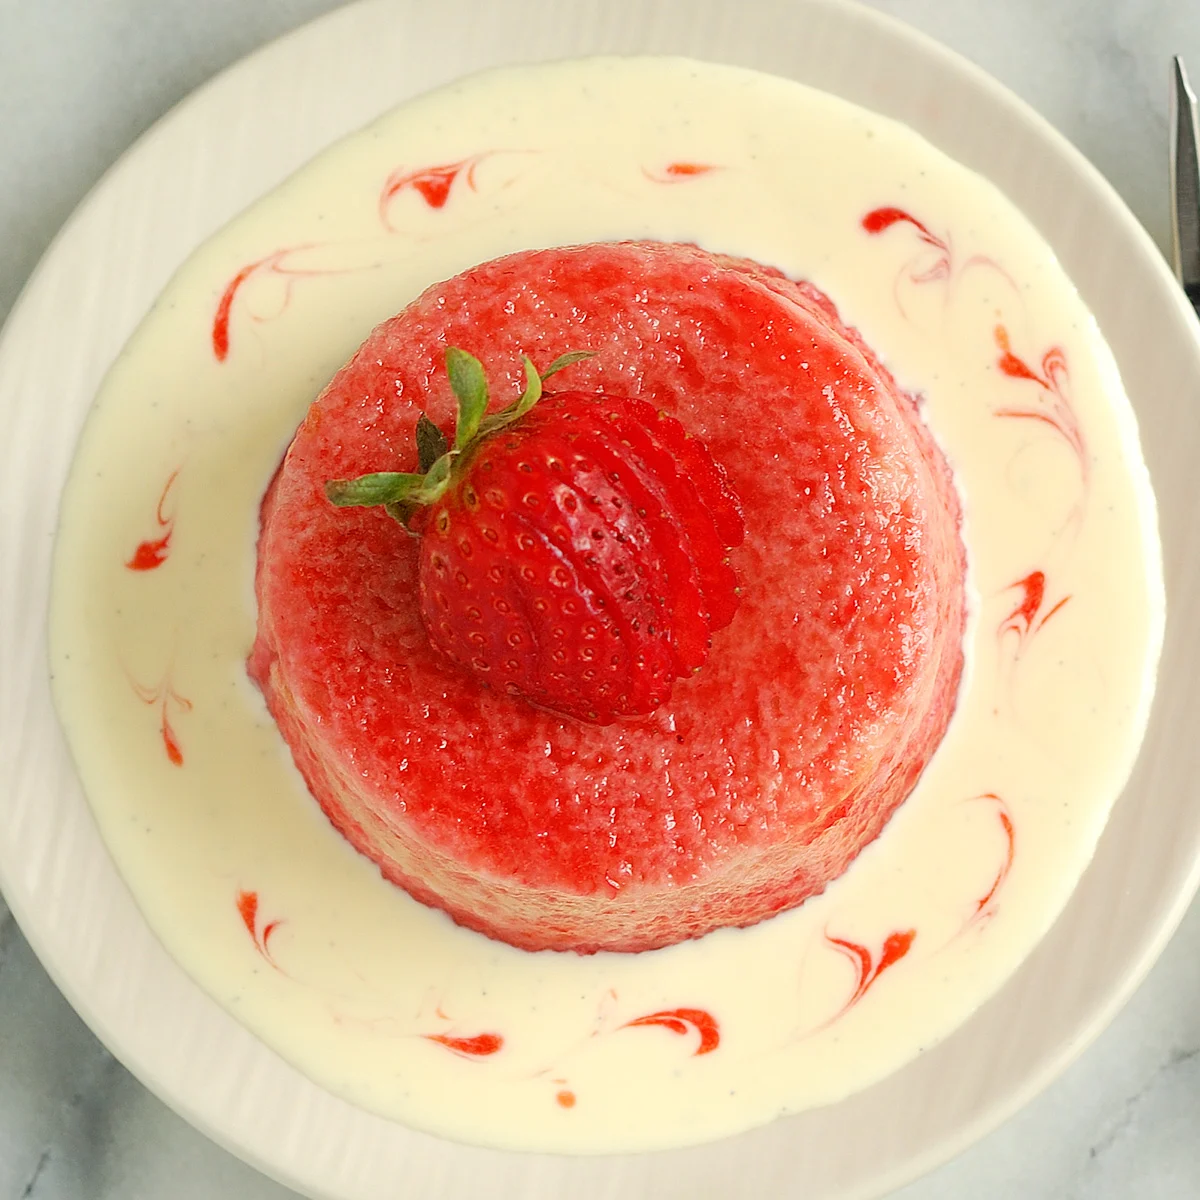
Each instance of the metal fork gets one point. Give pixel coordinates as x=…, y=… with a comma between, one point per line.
x=1185, y=183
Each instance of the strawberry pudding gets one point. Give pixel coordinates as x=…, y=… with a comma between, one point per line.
x=791, y=543
x=729, y=763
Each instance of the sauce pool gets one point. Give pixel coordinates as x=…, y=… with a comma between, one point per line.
x=388, y=1003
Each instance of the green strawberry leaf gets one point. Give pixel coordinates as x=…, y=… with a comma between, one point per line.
x=566, y=360
x=436, y=479
x=469, y=385
x=519, y=407
x=383, y=487
x=533, y=389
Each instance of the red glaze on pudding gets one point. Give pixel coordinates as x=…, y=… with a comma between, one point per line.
x=761, y=776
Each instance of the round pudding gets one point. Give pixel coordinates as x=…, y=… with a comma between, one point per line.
x=765, y=773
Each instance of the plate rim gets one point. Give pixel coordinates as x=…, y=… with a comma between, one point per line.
x=1158, y=933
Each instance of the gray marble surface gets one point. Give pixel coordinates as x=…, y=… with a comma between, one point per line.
x=79, y=81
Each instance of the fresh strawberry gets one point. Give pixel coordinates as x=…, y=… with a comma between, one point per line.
x=574, y=546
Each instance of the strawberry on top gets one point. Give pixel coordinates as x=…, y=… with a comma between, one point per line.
x=574, y=551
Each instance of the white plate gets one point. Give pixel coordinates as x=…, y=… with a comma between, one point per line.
x=232, y=141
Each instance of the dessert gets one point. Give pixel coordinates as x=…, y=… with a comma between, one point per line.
x=758, y=778
x=384, y=1001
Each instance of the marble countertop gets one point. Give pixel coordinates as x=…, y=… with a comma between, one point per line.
x=78, y=83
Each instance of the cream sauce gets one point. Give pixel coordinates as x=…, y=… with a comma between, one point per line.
x=388, y=1003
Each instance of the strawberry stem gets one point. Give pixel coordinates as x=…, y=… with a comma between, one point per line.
x=403, y=492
